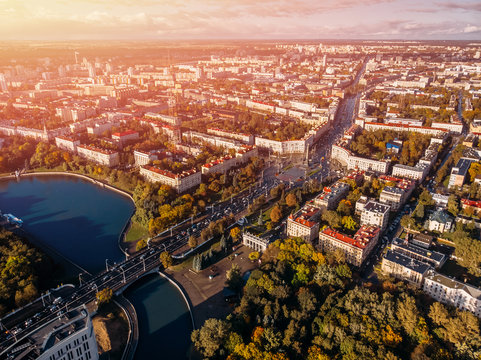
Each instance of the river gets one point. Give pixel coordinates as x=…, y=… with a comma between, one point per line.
x=82, y=222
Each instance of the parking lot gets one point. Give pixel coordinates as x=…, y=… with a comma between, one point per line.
x=206, y=293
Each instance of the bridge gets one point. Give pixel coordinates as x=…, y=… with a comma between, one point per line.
x=16, y=328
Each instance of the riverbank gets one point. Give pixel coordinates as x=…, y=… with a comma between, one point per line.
x=125, y=244
x=205, y=295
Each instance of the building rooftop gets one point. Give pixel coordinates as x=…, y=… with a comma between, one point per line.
x=422, y=252
x=374, y=206
x=405, y=261
x=96, y=149
x=124, y=133
x=169, y=173
x=306, y=216
x=360, y=240
x=51, y=333
x=454, y=284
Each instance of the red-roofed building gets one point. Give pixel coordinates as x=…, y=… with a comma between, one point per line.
x=125, y=136
x=304, y=223
x=356, y=248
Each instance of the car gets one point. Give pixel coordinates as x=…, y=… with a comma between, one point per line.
x=211, y=276
x=28, y=322
x=57, y=301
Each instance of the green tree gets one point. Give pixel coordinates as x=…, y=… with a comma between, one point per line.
x=453, y=205
x=234, y=278
x=332, y=218
x=210, y=338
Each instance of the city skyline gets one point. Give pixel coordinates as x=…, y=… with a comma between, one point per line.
x=249, y=19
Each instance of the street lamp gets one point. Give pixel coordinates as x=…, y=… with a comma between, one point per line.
x=106, y=265
x=79, y=279
x=123, y=274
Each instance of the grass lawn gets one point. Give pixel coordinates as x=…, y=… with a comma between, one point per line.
x=136, y=232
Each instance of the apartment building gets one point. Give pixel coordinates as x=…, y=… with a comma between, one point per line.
x=409, y=249
x=346, y=158
x=221, y=165
x=356, y=249
x=67, y=337
x=180, y=182
x=101, y=156
x=332, y=195
x=245, y=138
x=404, y=267
x=171, y=120
x=409, y=172
x=459, y=172
x=282, y=147
x=144, y=157
x=452, y=292
x=304, y=223
x=375, y=213
x=125, y=136
x=213, y=140
x=67, y=143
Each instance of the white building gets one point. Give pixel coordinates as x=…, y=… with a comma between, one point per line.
x=67, y=143
x=332, y=195
x=67, y=337
x=453, y=292
x=375, y=213
x=102, y=156
x=180, y=182
x=410, y=172
x=254, y=242
x=125, y=136
x=304, y=223
x=352, y=162
x=143, y=157
x=245, y=138
x=403, y=267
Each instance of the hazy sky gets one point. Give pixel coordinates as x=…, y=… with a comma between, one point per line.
x=239, y=19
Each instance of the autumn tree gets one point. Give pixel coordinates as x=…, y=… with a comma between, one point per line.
x=235, y=233
x=104, y=296
x=166, y=259
x=210, y=337
x=192, y=241
x=276, y=214
x=291, y=200
x=234, y=278
x=141, y=244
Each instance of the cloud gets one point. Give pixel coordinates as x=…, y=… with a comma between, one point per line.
x=472, y=29
x=466, y=6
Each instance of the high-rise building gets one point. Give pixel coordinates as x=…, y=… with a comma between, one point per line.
x=3, y=83
x=69, y=337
